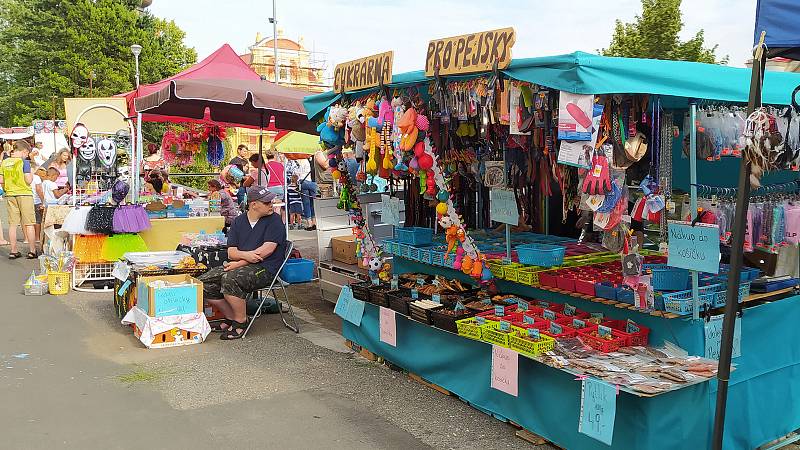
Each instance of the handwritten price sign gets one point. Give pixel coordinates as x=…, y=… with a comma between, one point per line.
x=503, y=206
x=505, y=370
x=694, y=247
x=388, y=326
x=598, y=410
x=713, y=334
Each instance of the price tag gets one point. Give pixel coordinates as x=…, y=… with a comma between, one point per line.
x=375, y=281
x=522, y=305
x=395, y=282
x=597, y=315
x=549, y=315
x=631, y=327
x=459, y=306
x=604, y=331
x=528, y=319
x=436, y=298
x=486, y=301
x=569, y=310
x=506, y=260
x=556, y=328
x=414, y=294
x=533, y=333
x=543, y=304
x=480, y=320
x=499, y=310
x=420, y=281
x=505, y=326
x=577, y=323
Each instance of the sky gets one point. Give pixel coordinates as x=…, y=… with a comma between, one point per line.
x=346, y=30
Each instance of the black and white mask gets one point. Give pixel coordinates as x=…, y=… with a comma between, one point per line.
x=106, y=152
x=124, y=173
x=88, y=150
x=80, y=135
x=123, y=139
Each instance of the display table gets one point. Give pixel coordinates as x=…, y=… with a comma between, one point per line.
x=166, y=234
x=763, y=399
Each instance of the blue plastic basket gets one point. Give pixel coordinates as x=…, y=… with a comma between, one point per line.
x=721, y=297
x=414, y=235
x=389, y=246
x=402, y=250
x=298, y=270
x=543, y=255
x=681, y=302
x=667, y=278
x=746, y=274
x=605, y=290
x=625, y=295
x=437, y=257
x=425, y=255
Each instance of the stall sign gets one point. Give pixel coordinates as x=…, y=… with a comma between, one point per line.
x=503, y=206
x=348, y=307
x=470, y=53
x=505, y=365
x=388, y=326
x=598, y=410
x=694, y=247
x=713, y=337
x=364, y=73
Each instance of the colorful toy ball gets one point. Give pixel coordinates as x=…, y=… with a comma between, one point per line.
x=425, y=161
x=336, y=174
x=441, y=208
x=442, y=196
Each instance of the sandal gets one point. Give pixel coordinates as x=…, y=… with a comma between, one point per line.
x=4, y=242
x=31, y=255
x=217, y=325
x=231, y=333
x=14, y=255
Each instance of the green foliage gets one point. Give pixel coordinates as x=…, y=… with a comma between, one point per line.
x=51, y=48
x=654, y=35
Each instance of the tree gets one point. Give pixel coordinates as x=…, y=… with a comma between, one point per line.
x=654, y=35
x=51, y=48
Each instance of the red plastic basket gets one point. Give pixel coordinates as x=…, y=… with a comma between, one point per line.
x=568, y=322
x=579, y=314
x=632, y=339
x=544, y=327
x=509, y=317
x=566, y=282
x=585, y=287
x=600, y=344
x=549, y=279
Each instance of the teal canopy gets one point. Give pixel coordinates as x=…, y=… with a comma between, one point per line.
x=584, y=73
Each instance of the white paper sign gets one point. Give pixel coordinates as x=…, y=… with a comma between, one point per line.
x=505, y=370
x=503, y=206
x=388, y=326
x=575, y=153
x=390, y=210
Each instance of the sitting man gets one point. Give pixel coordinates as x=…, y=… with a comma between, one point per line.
x=256, y=249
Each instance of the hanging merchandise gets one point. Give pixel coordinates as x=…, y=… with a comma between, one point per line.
x=115, y=247
x=101, y=219
x=597, y=179
x=214, y=137
x=575, y=112
x=89, y=249
x=130, y=219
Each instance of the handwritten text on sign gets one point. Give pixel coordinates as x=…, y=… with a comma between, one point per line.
x=503, y=206
x=598, y=410
x=694, y=247
x=470, y=53
x=390, y=210
x=388, y=326
x=173, y=301
x=505, y=364
x=349, y=308
x=363, y=73
x=713, y=332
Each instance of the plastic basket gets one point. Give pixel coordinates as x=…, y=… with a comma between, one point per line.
x=625, y=295
x=585, y=287
x=413, y=253
x=298, y=270
x=638, y=339
x=721, y=294
x=377, y=295
x=525, y=346
x=511, y=272
x=388, y=246
x=437, y=257
x=414, y=235
x=528, y=276
x=58, y=283
x=469, y=328
x=425, y=255
x=490, y=332
x=543, y=255
x=666, y=278
x=447, y=322
x=549, y=279
x=600, y=344
x=496, y=267
x=681, y=302
x=398, y=301
x=605, y=290
x=361, y=291
x=566, y=282
x=746, y=274
x=402, y=250
x=566, y=331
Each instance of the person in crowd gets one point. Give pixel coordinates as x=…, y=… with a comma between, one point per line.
x=15, y=180
x=153, y=161
x=53, y=194
x=310, y=188
x=256, y=249
x=352, y=164
x=39, y=175
x=228, y=206
x=258, y=173
x=157, y=182
x=37, y=154
x=295, y=204
x=241, y=158
x=62, y=161
x=277, y=175
x=292, y=168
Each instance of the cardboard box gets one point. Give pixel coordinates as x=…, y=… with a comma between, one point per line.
x=344, y=249
x=170, y=301
x=167, y=331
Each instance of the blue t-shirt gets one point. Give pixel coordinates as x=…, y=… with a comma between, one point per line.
x=268, y=229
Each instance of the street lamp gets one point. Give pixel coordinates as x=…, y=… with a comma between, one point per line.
x=274, y=21
x=136, y=49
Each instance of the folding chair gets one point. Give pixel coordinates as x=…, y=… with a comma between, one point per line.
x=268, y=292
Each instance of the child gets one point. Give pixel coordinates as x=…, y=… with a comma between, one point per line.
x=295, y=205
x=53, y=195
x=36, y=188
x=228, y=208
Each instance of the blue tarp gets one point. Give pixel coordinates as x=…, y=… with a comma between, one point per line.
x=780, y=19
x=762, y=397
x=585, y=73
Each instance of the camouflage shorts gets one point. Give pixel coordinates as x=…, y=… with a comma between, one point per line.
x=237, y=282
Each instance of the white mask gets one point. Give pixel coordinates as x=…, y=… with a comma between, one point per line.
x=106, y=152
x=80, y=134
x=88, y=150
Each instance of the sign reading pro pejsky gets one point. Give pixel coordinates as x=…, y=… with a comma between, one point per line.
x=475, y=52
x=363, y=73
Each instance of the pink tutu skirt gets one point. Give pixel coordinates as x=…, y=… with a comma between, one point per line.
x=130, y=219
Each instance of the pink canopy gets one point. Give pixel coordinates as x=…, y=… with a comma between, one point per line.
x=222, y=64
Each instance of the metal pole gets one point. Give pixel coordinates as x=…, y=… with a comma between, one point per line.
x=261, y=148
x=693, y=199
x=138, y=153
x=275, y=38
x=737, y=248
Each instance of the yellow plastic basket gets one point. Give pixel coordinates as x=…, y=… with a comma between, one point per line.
x=510, y=271
x=58, y=283
x=469, y=328
x=529, y=276
x=490, y=332
x=530, y=348
x=496, y=267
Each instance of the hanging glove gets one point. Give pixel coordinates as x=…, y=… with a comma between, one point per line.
x=598, y=179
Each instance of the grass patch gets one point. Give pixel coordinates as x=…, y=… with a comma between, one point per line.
x=140, y=376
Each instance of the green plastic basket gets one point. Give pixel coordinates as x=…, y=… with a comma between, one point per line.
x=490, y=332
x=469, y=328
x=531, y=348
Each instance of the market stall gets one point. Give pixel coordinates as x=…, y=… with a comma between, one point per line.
x=533, y=146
